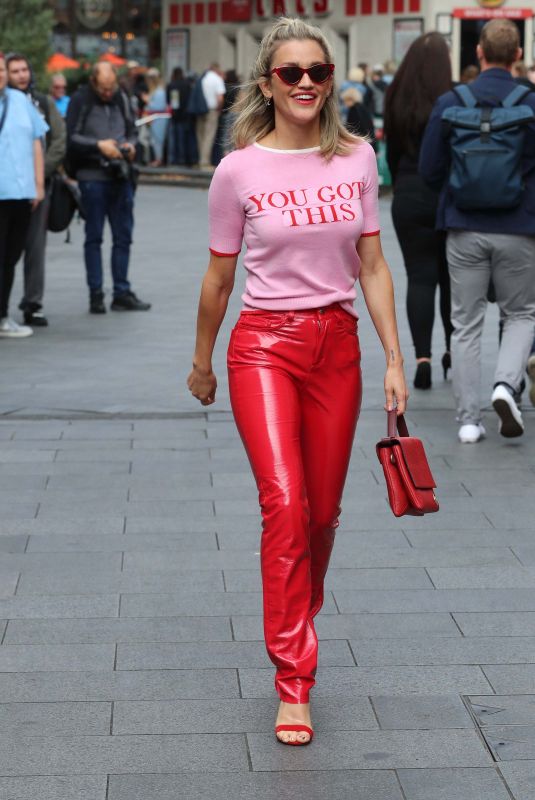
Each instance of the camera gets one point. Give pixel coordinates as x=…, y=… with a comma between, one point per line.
x=119, y=168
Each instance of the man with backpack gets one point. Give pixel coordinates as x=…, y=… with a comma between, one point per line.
x=479, y=148
x=20, y=77
x=101, y=139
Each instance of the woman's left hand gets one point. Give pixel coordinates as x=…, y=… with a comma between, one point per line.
x=396, y=393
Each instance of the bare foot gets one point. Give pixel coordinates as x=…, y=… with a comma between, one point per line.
x=294, y=714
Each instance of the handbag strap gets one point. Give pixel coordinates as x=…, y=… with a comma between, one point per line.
x=396, y=424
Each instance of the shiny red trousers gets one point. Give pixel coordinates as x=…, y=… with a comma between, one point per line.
x=295, y=389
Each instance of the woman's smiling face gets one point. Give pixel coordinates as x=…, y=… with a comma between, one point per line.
x=302, y=103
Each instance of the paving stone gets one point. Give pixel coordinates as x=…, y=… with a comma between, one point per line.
x=519, y=623
x=436, y=650
x=24, y=456
x=54, y=510
x=46, y=467
x=421, y=712
x=460, y=538
x=72, y=606
x=451, y=784
x=8, y=583
x=503, y=709
x=350, y=626
x=54, y=787
x=49, y=543
x=190, y=604
x=421, y=557
x=172, y=560
x=10, y=510
x=511, y=742
x=48, y=657
x=526, y=554
x=72, y=526
x=117, y=582
x=520, y=777
x=61, y=562
x=511, y=519
x=434, y=600
x=494, y=577
x=317, y=785
x=511, y=678
x=372, y=750
x=170, y=629
x=365, y=579
x=215, y=654
x=357, y=681
x=194, y=522
x=18, y=482
x=107, y=685
x=54, y=719
x=233, y=716
x=94, y=481
x=116, y=754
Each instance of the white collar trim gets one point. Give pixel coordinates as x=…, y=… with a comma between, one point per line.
x=276, y=150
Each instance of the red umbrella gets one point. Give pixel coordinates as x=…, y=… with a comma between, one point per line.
x=111, y=58
x=58, y=62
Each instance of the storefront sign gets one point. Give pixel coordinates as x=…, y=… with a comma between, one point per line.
x=93, y=14
x=493, y=13
x=176, y=49
x=405, y=33
x=301, y=8
x=236, y=11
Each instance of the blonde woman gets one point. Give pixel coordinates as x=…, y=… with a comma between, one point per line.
x=302, y=192
x=156, y=101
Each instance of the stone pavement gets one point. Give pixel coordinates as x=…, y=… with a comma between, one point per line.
x=132, y=665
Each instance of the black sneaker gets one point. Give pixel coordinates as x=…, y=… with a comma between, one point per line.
x=129, y=302
x=96, y=303
x=36, y=319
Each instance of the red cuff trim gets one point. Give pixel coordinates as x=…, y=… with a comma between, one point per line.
x=372, y=233
x=223, y=255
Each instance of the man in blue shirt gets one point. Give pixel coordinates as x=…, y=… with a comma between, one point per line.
x=21, y=187
x=58, y=90
x=496, y=243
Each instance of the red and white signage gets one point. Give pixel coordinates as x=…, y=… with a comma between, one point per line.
x=493, y=13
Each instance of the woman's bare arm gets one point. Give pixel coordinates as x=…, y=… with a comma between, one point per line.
x=216, y=289
x=377, y=288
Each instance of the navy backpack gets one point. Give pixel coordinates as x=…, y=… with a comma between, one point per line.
x=487, y=144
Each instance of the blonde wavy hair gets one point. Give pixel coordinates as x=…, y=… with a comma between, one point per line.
x=255, y=119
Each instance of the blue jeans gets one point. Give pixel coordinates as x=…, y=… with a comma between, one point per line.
x=180, y=149
x=114, y=200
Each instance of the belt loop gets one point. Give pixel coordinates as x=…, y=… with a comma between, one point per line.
x=290, y=316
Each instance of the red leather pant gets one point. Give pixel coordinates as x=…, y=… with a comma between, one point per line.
x=295, y=389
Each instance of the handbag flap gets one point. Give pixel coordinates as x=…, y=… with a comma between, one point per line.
x=416, y=461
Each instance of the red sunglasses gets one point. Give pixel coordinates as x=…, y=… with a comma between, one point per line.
x=319, y=73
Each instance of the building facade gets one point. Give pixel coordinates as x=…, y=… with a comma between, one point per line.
x=128, y=28
x=228, y=31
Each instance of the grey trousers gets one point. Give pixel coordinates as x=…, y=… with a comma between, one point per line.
x=473, y=258
x=34, y=256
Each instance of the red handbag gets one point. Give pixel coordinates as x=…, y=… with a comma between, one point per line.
x=409, y=481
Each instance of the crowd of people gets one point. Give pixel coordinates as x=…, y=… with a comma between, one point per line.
x=471, y=254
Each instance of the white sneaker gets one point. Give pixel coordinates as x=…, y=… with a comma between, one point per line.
x=470, y=434
x=531, y=373
x=10, y=328
x=510, y=417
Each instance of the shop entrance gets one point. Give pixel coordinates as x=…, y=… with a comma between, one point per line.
x=470, y=33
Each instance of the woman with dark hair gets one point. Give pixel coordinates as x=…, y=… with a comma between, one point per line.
x=423, y=76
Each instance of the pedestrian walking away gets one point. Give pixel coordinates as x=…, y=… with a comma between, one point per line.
x=490, y=222
x=22, y=130
x=301, y=191
x=20, y=77
x=101, y=145
x=423, y=76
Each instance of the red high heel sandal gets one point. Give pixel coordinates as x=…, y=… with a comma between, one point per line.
x=297, y=729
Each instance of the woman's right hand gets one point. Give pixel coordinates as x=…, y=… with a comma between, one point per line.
x=203, y=385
